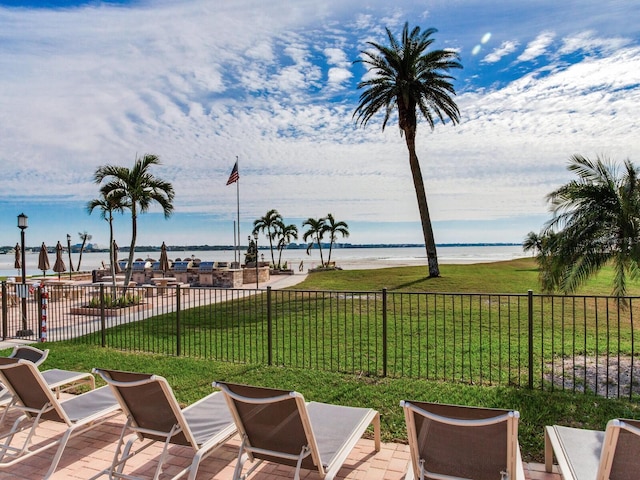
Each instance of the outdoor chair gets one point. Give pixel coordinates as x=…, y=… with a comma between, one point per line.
x=154, y=415
x=278, y=426
x=57, y=380
x=458, y=442
x=38, y=405
x=595, y=455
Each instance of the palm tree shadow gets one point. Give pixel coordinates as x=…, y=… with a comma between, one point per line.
x=413, y=283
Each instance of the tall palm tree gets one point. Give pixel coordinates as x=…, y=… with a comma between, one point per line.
x=596, y=221
x=413, y=80
x=85, y=237
x=107, y=207
x=285, y=234
x=315, y=232
x=268, y=225
x=334, y=228
x=138, y=190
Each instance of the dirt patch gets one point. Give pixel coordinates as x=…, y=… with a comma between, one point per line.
x=608, y=377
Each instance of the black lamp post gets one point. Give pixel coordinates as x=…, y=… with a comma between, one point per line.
x=22, y=225
x=255, y=238
x=69, y=250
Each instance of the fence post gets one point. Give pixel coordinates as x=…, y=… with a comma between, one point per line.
x=103, y=322
x=269, y=329
x=384, y=332
x=4, y=310
x=178, y=336
x=530, y=320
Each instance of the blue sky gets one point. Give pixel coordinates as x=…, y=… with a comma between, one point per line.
x=84, y=84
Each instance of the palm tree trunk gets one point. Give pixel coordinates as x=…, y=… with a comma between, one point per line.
x=273, y=260
x=132, y=246
x=425, y=218
x=320, y=248
x=84, y=241
x=112, y=256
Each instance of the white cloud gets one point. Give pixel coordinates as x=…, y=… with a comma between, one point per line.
x=590, y=42
x=537, y=47
x=192, y=82
x=505, y=49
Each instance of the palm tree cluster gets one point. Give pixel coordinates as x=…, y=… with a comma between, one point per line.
x=134, y=189
x=596, y=221
x=277, y=231
x=318, y=228
x=273, y=226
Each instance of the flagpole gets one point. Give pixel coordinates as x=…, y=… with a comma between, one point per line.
x=234, y=241
x=238, y=204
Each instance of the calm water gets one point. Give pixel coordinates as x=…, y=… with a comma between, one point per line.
x=347, y=258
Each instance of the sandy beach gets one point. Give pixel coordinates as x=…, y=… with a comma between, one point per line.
x=345, y=258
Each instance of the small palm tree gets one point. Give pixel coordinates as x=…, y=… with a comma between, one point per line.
x=285, y=233
x=85, y=237
x=533, y=243
x=596, y=221
x=409, y=78
x=268, y=225
x=334, y=228
x=107, y=207
x=315, y=232
x=137, y=189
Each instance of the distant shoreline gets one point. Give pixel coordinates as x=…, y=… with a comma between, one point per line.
x=293, y=246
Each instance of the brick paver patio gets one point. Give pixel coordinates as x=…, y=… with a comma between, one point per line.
x=88, y=454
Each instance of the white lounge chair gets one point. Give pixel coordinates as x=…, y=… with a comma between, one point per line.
x=278, y=426
x=154, y=415
x=57, y=380
x=595, y=455
x=458, y=442
x=38, y=404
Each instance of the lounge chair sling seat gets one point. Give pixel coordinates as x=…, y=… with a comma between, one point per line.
x=596, y=455
x=278, y=426
x=332, y=427
x=452, y=441
x=154, y=415
x=38, y=403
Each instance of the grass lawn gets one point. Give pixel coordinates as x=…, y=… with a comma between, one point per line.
x=513, y=276
x=191, y=378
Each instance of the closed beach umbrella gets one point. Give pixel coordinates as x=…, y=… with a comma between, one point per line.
x=43, y=259
x=17, y=263
x=116, y=266
x=59, y=266
x=164, y=260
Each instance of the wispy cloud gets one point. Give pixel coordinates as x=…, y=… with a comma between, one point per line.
x=200, y=84
x=507, y=48
x=537, y=47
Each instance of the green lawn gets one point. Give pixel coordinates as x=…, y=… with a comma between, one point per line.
x=513, y=276
x=191, y=377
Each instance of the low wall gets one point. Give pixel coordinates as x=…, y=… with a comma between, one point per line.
x=218, y=277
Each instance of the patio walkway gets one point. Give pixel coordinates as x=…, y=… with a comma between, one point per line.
x=88, y=454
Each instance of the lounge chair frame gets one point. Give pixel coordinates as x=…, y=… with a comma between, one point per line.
x=326, y=469
x=178, y=430
x=607, y=441
x=417, y=468
x=58, y=380
x=38, y=403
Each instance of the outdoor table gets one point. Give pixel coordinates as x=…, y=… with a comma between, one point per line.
x=163, y=283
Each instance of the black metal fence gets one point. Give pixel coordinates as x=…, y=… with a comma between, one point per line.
x=578, y=343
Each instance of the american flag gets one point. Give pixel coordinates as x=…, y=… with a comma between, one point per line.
x=234, y=177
